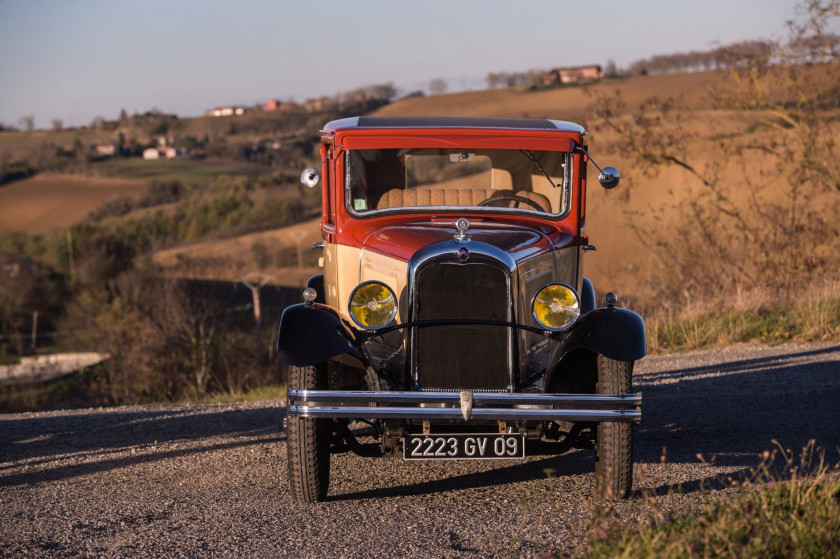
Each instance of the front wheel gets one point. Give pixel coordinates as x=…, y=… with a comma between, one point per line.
x=308, y=443
x=614, y=444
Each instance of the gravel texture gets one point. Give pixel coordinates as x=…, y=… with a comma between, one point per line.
x=181, y=480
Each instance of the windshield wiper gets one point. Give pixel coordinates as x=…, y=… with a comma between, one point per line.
x=530, y=156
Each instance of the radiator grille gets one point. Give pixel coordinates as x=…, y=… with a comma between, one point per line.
x=466, y=356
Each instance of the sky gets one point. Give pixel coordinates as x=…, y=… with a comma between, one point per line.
x=75, y=60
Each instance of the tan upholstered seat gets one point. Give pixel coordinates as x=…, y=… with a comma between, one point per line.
x=536, y=197
x=398, y=198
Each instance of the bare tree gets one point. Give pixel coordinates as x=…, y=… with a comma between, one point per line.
x=57, y=124
x=28, y=123
x=437, y=86
x=385, y=92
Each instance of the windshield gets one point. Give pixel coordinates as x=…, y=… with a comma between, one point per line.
x=493, y=179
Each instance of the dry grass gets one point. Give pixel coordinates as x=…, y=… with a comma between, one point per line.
x=788, y=506
x=748, y=316
x=229, y=259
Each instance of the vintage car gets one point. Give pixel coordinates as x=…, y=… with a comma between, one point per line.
x=452, y=315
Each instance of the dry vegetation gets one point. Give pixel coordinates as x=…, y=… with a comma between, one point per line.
x=274, y=252
x=787, y=506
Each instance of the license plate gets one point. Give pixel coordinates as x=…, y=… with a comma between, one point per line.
x=463, y=446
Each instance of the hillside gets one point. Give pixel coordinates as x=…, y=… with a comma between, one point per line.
x=567, y=103
x=232, y=258
x=614, y=218
x=47, y=201
x=621, y=259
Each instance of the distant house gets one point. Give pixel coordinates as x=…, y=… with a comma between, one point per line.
x=574, y=74
x=314, y=105
x=275, y=105
x=226, y=111
x=581, y=74
x=173, y=152
x=165, y=152
x=105, y=150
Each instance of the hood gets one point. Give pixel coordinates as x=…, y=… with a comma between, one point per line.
x=521, y=241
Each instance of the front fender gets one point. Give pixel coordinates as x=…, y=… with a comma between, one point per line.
x=311, y=334
x=615, y=333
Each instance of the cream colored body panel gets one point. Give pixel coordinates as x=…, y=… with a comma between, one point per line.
x=346, y=267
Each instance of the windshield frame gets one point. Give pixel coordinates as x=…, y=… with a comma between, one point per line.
x=568, y=182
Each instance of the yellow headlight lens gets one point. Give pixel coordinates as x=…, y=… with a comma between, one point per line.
x=556, y=306
x=373, y=305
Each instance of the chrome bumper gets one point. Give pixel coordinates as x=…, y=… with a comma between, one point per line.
x=451, y=405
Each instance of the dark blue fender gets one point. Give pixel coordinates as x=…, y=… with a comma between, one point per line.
x=311, y=334
x=317, y=283
x=587, y=296
x=613, y=332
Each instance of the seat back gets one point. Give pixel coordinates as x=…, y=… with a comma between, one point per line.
x=399, y=198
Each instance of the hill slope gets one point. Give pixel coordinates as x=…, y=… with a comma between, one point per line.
x=46, y=201
x=568, y=103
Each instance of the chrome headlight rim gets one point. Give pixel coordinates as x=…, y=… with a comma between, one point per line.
x=353, y=316
x=534, y=310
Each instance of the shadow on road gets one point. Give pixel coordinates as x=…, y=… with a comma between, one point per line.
x=562, y=465
x=71, y=471
x=731, y=412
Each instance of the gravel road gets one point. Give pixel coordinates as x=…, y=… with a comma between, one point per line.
x=181, y=480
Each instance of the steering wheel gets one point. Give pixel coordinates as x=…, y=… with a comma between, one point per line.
x=511, y=198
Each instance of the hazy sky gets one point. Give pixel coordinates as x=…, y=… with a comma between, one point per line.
x=76, y=59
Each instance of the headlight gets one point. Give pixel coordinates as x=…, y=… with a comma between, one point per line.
x=373, y=305
x=556, y=306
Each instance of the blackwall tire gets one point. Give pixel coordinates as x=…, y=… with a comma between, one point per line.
x=614, y=443
x=308, y=443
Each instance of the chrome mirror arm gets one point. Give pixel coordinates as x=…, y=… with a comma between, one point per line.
x=608, y=176
x=310, y=177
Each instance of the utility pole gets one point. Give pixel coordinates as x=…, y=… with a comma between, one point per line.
x=34, y=329
x=70, y=255
x=298, y=237
x=255, y=281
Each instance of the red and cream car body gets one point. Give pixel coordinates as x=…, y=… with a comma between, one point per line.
x=452, y=294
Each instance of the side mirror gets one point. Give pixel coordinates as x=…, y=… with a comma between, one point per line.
x=609, y=177
x=310, y=177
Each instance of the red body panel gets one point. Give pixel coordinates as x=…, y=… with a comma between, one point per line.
x=400, y=237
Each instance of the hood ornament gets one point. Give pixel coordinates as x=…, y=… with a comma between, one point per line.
x=463, y=224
